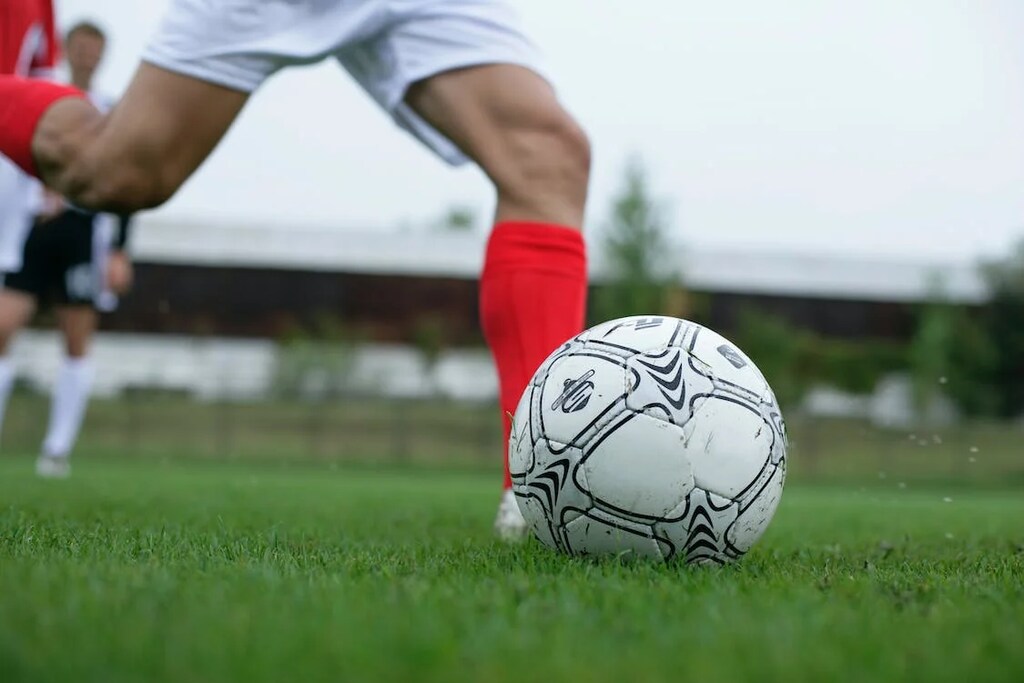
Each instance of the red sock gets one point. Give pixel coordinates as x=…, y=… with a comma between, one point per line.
x=22, y=103
x=533, y=296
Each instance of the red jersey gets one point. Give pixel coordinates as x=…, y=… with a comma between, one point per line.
x=28, y=38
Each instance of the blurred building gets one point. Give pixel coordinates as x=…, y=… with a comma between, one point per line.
x=211, y=302
x=271, y=282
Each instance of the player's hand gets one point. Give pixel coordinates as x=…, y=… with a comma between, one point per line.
x=119, y=273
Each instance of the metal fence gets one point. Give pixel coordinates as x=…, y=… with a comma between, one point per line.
x=367, y=429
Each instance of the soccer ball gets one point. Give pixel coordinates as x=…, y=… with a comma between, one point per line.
x=652, y=436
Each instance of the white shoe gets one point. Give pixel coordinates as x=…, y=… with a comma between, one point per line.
x=53, y=467
x=509, y=524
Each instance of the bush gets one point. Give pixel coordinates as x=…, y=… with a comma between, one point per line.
x=642, y=276
x=1002, y=323
x=315, y=363
x=952, y=354
x=793, y=360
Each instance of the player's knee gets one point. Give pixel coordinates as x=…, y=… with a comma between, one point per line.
x=131, y=191
x=548, y=151
x=76, y=348
x=127, y=189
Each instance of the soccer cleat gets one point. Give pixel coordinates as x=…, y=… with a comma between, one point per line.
x=509, y=524
x=53, y=467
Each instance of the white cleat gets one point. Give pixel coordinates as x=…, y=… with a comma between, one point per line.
x=53, y=467
x=509, y=524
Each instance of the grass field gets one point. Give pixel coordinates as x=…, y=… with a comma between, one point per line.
x=210, y=572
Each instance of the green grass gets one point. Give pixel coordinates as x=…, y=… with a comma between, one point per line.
x=204, y=572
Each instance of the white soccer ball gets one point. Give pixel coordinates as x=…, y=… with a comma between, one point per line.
x=649, y=435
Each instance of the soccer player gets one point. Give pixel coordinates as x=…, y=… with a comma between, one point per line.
x=77, y=260
x=28, y=47
x=458, y=74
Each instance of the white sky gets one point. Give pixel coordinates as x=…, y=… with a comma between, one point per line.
x=880, y=126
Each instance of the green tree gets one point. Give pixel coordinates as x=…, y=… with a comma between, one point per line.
x=1003, y=324
x=642, y=276
x=932, y=347
x=795, y=359
x=779, y=349
x=315, y=362
x=428, y=336
x=950, y=354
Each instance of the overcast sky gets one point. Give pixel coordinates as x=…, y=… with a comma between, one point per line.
x=880, y=127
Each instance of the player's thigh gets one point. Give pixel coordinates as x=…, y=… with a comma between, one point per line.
x=483, y=109
x=16, y=309
x=507, y=119
x=169, y=123
x=146, y=147
x=464, y=78
x=78, y=323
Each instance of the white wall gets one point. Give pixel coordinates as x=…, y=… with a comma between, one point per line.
x=245, y=369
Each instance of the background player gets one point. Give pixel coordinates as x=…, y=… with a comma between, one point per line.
x=28, y=48
x=84, y=46
x=457, y=74
x=77, y=260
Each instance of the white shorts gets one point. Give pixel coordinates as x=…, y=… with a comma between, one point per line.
x=386, y=45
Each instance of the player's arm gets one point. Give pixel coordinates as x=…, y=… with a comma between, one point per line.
x=134, y=158
x=120, y=273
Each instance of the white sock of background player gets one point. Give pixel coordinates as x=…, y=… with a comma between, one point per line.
x=6, y=385
x=70, y=396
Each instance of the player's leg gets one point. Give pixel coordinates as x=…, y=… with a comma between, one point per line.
x=134, y=158
x=534, y=283
x=74, y=247
x=16, y=309
x=509, y=121
x=70, y=390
